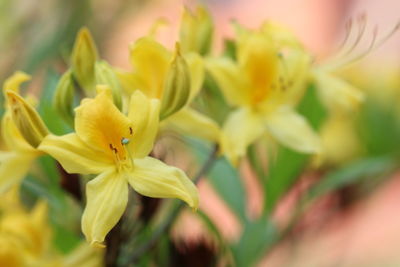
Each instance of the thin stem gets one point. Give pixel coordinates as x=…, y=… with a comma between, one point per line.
x=166, y=225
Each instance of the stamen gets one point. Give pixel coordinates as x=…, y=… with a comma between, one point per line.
x=285, y=72
x=375, y=43
x=124, y=141
x=348, y=27
x=130, y=131
x=362, y=25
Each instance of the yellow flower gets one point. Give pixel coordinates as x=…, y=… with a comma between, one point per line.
x=116, y=146
x=19, y=155
x=264, y=85
x=151, y=63
x=334, y=92
x=26, y=237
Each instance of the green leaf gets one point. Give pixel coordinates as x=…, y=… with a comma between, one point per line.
x=211, y=226
x=285, y=169
x=230, y=48
x=64, y=239
x=312, y=108
x=379, y=128
x=212, y=102
x=368, y=168
x=224, y=178
x=257, y=236
x=282, y=174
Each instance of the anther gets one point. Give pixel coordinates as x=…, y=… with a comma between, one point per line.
x=115, y=150
x=130, y=131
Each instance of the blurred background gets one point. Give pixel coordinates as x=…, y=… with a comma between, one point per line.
x=356, y=222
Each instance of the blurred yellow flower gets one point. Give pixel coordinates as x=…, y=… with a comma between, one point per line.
x=152, y=63
x=264, y=85
x=335, y=93
x=116, y=146
x=26, y=238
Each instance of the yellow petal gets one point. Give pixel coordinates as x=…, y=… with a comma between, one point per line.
x=292, y=130
x=13, y=83
x=12, y=137
x=258, y=58
x=10, y=253
x=196, y=68
x=84, y=255
x=40, y=221
x=144, y=114
x=100, y=124
x=338, y=132
x=230, y=80
x=130, y=82
x=295, y=67
x=14, y=167
x=150, y=61
x=241, y=129
x=154, y=178
x=106, y=199
x=281, y=35
x=74, y=155
x=335, y=93
x=191, y=122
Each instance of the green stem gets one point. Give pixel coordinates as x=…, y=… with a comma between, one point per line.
x=166, y=225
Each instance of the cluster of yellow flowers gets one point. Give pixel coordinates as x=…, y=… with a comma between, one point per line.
x=123, y=112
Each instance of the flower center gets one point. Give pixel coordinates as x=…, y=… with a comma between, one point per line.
x=120, y=150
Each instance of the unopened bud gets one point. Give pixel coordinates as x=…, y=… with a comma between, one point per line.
x=196, y=31
x=106, y=75
x=84, y=56
x=27, y=120
x=63, y=100
x=176, y=86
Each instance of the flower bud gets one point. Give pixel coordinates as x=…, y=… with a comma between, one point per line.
x=64, y=97
x=27, y=120
x=106, y=75
x=84, y=56
x=196, y=31
x=176, y=87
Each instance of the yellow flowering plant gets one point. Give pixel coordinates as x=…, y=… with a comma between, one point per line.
x=265, y=84
x=116, y=146
x=87, y=161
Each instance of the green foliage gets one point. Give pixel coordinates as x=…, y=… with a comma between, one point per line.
x=224, y=178
x=284, y=170
x=379, y=128
x=355, y=172
x=256, y=237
